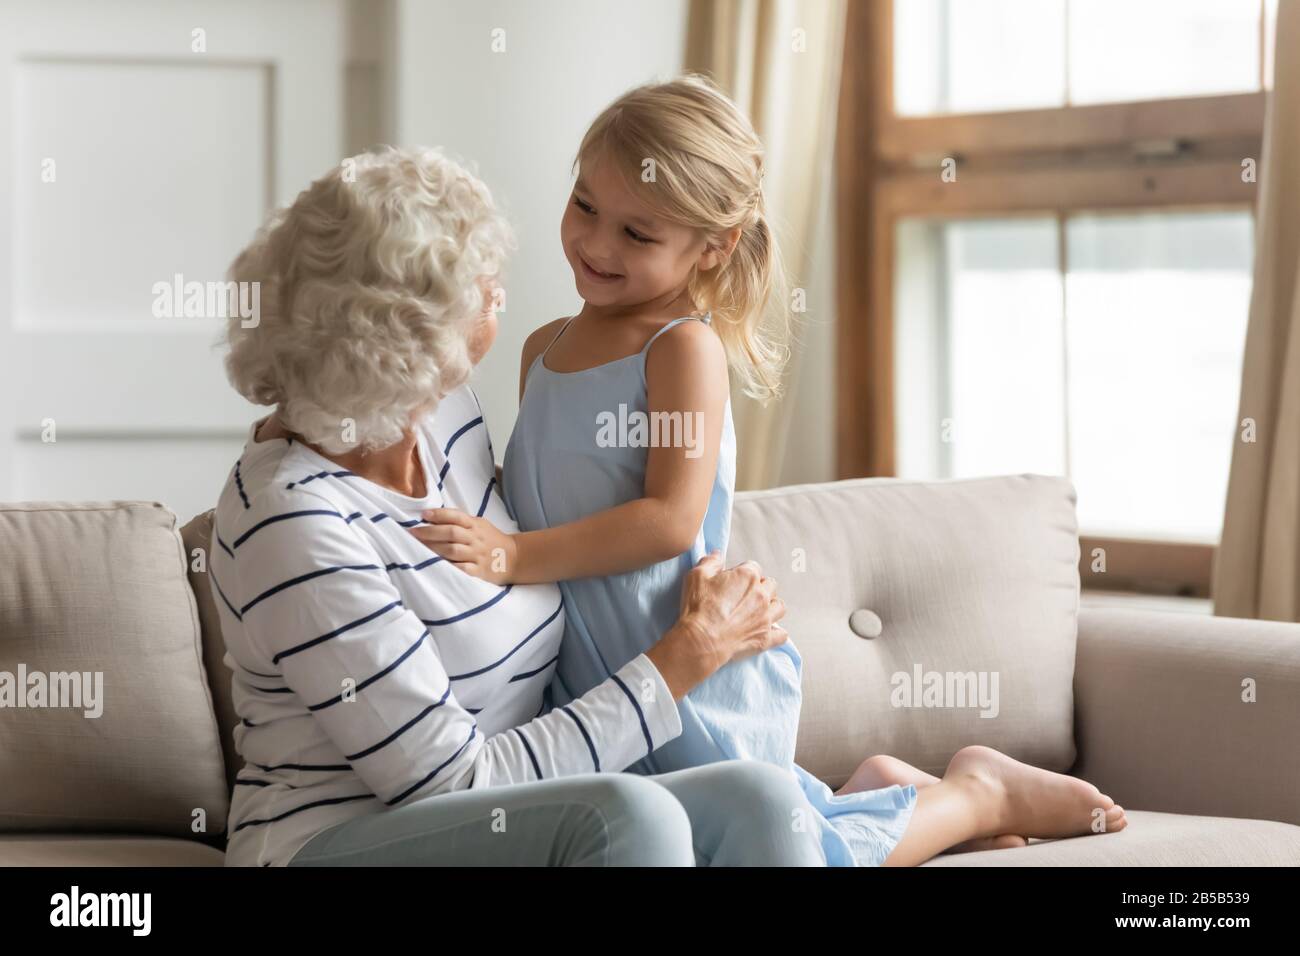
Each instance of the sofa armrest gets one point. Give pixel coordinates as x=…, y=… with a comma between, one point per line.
x=1160, y=719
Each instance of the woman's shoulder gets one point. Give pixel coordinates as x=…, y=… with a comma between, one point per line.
x=458, y=417
x=272, y=479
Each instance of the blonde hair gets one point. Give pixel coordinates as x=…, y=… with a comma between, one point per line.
x=369, y=293
x=707, y=175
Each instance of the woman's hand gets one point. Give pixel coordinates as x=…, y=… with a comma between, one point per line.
x=726, y=615
x=473, y=544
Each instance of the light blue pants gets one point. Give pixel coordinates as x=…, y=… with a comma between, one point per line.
x=733, y=813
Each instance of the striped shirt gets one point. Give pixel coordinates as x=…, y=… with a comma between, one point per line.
x=367, y=671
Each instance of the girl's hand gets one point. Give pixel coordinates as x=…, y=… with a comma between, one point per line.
x=473, y=544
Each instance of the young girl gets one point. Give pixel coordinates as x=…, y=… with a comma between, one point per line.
x=621, y=466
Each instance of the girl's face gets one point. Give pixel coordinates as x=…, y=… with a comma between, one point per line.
x=620, y=251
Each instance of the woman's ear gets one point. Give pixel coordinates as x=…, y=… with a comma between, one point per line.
x=714, y=255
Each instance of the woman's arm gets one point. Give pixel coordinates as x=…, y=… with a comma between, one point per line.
x=686, y=376
x=313, y=599
x=311, y=596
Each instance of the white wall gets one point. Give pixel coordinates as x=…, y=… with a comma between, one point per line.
x=142, y=406
x=141, y=140
x=519, y=115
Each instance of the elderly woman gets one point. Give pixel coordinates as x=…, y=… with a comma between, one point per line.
x=393, y=707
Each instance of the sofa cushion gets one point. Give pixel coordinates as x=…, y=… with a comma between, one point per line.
x=1154, y=839
x=197, y=535
x=99, y=589
x=68, y=850
x=920, y=607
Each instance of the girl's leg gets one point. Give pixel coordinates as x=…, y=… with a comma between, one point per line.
x=606, y=819
x=746, y=813
x=885, y=771
x=984, y=793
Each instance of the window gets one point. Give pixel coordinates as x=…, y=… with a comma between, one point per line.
x=1106, y=347
x=1056, y=206
x=970, y=56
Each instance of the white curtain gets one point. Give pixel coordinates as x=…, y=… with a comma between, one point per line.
x=780, y=61
x=1257, y=566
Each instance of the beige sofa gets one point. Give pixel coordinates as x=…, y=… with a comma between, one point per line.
x=929, y=614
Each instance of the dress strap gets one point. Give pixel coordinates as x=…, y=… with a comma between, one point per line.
x=706, y=318
x=557, y=336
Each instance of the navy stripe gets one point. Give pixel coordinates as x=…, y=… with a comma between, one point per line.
x=533, y=633
x=352, y=517
x=305, y=806
x=374, y=677
x=242, y=782
x=306, y=577
x=472, y=611
x=408, y=523
x=585, y=736
x=486, y=496
x=335, y=633
x=413, y=567
x=531, y=756
x=239, y=483
x=489, y=434
x=460, y=431
x=446, y=465
x=527, y=674
x=322, y=474
x=217, y=534
x=284, y=517
x=402, y=729
x=304, y=766
x=645, y=728
x=436, y=770
x=217, y=585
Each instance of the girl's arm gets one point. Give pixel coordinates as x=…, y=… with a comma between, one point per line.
x=686, y=373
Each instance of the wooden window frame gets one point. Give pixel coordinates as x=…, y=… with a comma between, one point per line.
x=1166, y=154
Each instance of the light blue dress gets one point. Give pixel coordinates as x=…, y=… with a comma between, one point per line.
x=557, y=471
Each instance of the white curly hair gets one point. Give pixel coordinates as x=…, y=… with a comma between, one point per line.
x=369, y=293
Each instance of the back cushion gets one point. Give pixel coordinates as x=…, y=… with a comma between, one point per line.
x=973, y=586
x=95, y=609
x=197, y=535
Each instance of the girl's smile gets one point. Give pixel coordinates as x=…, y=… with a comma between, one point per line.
x=595, y=275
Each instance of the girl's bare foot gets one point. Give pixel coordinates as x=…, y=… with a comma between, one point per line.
x=1035, y=802
x=882, y=770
